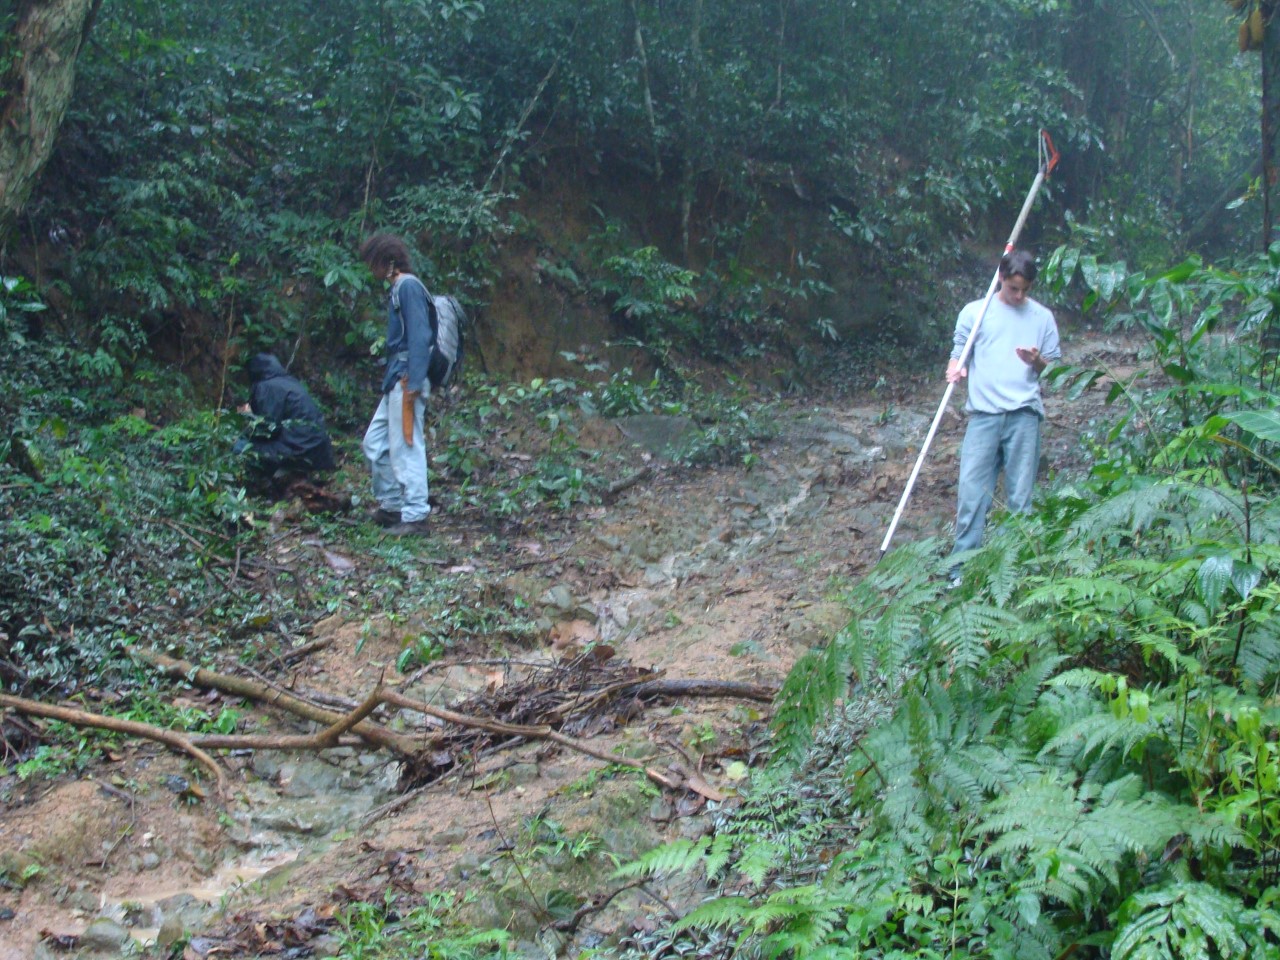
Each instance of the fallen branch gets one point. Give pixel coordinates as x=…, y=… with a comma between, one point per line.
x=261, y=693
x=527, y=732
x=356, y=721
x=329, y=737
x=132, y=728
x=628, y=481
x=301, y=653
x=594, y=906
x=706, y=688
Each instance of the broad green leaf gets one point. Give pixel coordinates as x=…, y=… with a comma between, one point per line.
x=1182, y=271
x=1213, y=577
x=1263, y=424
x=1245, y=577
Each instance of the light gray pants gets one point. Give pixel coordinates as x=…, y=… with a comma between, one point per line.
x=399, y=470
x=994, y=442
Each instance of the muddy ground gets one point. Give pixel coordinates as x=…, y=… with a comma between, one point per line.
x=726, y=573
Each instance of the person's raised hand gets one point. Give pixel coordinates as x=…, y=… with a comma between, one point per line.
x=1031, y=357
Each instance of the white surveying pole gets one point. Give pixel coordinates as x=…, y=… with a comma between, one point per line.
x=1048, y=160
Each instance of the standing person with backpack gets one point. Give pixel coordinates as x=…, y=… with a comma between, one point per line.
x=395, y=441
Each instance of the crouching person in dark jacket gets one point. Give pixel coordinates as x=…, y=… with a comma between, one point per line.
x=289, y=436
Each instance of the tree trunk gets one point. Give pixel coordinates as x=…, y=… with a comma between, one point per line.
x=648, y=93
x=1270, y=120
x=39, y=46
x=693, y=131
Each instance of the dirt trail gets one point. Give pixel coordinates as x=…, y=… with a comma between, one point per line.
x=716, y=574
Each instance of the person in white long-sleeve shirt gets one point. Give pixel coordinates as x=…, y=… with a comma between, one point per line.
x=1016, y=341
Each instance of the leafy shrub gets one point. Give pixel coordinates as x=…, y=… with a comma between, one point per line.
x=1077, y=746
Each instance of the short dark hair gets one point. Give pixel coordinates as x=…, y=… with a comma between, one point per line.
x=1018, y=263
x=386, y=249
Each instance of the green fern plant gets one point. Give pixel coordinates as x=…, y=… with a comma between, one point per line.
x=1192, y=921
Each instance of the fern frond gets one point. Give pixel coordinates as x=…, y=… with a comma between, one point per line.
x=1212, y=502
x=997, y=567
x=1161, y=644
x=718, y=914
x=759, y=860
x=968, y=631
x=960, y=782
x=678, y=856
x=797, y=921
x=1260, y=648
x=1132, y=510
x=996, y=770
x=809, y=692
x=896, y=633
x=1186, y=921
x=909, y=566
x=1079, y=594
x=1208, y=832
x=718, y=856
x=1047, y=822
x=1022, y=693
x=1098, y=733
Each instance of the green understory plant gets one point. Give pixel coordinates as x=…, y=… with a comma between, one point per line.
x=1075, y=750
x=396, y=929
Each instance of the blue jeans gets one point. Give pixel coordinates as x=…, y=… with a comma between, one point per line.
x=995, y=442
x=399, y=470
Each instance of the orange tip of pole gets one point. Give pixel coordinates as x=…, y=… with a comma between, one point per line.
x=1051, y=151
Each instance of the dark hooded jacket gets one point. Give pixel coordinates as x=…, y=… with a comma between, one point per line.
x=291, y=434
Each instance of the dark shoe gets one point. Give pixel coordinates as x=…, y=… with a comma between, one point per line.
x=385, y=518
x=413, y=528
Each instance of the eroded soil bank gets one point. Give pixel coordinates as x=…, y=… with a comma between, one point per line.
x=727, y=573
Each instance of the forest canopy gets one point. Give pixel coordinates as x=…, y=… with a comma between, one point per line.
x=216, y=157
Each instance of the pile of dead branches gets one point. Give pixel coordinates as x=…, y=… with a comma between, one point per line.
x=563, y=703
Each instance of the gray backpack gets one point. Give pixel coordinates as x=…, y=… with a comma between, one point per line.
x=447, y=320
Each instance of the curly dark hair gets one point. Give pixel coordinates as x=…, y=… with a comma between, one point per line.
x=386, y=249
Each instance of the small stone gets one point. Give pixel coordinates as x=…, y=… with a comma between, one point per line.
x=694, y=828
x=559, y=598
x=84, y=900
x=104, y=934
x=170, y=932
x=660, y=810
x=524, y=772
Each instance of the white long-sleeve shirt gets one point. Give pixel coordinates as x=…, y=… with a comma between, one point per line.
x=999, y=380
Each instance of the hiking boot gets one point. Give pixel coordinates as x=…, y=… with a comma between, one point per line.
x=385, y=518
x=410, y=528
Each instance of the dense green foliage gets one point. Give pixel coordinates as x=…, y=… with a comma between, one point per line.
x=1077, y=749
x=221, y=165
x=119, y=531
